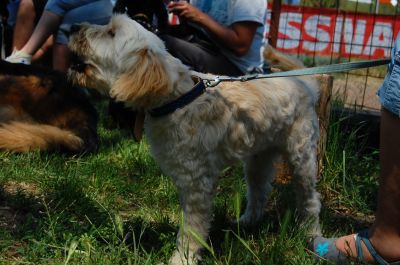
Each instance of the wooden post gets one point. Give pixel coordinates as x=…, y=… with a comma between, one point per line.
x=274, y=26
x=323, y=110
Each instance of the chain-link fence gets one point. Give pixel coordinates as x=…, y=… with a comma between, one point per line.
x=326, y=32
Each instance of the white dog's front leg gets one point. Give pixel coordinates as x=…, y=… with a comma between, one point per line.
x=196, y=203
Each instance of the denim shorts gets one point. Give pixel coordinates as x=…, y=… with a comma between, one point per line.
x=78, y=11
x=389, y=92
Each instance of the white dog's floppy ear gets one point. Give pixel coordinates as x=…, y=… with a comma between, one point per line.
x=144, y=82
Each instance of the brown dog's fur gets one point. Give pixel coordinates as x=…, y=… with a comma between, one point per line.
x=41, y=110
x=279, y=60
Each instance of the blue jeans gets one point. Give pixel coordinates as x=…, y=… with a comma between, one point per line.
x=389, y=92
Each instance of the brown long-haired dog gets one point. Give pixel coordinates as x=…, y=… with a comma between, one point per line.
x=41, y=110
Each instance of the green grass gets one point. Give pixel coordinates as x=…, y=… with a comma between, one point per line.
x=116, y=207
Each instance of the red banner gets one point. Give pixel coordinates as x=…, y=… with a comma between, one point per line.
x=304, y=30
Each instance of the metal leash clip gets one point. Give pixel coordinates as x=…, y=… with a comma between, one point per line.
x=218, y=79
x=212, y=82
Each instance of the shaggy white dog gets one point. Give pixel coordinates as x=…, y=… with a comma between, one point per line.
x=255, y=122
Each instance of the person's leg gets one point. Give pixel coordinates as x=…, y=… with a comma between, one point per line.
x=385, y=232
x=39, y=8
x=28, y=14
x=25, y=23
x=61, y=57
x=43, y=49
x=198, y=58
x=98, y=12
x=48, y=23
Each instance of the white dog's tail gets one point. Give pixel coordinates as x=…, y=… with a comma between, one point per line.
x=277, y=59
x=22, y=137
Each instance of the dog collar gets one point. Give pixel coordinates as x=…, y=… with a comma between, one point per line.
x=143, y=20
x=198, y=89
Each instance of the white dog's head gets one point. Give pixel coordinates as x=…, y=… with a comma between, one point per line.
x=125, y=61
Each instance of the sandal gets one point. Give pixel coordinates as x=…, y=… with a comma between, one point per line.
x=325, y=249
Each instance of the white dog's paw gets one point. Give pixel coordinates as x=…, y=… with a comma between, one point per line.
x=314, y=230
x=179, y=258
x=311, y=224
x=250, y=220
x=245, y=221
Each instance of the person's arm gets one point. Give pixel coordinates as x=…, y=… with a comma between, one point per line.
x=237, y=37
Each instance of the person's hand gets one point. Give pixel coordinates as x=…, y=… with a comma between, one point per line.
x=186, y=11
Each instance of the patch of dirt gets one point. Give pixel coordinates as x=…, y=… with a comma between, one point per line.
x=357, y=91
x=13, y=187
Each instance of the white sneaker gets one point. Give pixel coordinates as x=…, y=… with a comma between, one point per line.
x=19, y=57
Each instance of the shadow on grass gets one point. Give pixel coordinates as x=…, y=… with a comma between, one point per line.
x=65, y=208
x=152, y=236
x=337, y=221
x=67, y=211
x=112, y=138
x=19, y=212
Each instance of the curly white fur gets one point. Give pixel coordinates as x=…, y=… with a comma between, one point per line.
x=255, y=122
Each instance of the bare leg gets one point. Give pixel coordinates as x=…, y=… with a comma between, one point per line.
x=385, y=232
x=48, y=23
x=45, y=47
x=25, y=23
x=61, y=57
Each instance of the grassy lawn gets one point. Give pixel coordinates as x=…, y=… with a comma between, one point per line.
x=116, y=207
